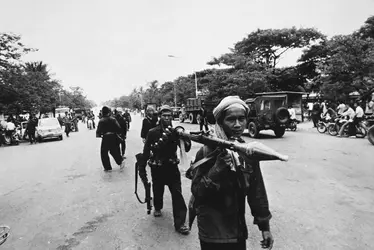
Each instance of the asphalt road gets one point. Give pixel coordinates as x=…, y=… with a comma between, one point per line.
x=55, y=195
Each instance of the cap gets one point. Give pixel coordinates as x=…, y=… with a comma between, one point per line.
x=165, y=108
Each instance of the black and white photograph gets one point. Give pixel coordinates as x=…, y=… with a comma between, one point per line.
x=186, y=125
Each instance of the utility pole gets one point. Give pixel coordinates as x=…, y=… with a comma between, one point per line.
x=196, y=84
x=175, y=95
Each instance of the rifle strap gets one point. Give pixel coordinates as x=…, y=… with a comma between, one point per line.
x=207, y=157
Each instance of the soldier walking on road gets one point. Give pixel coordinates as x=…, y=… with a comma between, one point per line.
x=164, y=168
x=149, y=122
x=203, y=118
x=108, y=129
x=222, y=185
x=122, y=122
x=67, y=123
x=127, y=116
x=31, y=128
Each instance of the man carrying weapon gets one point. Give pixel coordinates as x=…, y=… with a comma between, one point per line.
x=160, y=148
x=225, y=179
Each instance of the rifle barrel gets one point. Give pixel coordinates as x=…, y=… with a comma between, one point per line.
x=253, y=150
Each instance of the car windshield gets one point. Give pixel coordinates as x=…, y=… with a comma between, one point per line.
x=48, y=122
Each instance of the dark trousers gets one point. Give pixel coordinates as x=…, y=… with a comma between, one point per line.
x=352, y=125
x=31, y=136
x=169, y=175
x=67, y=129
x=203, y=123
x=315, y=119
x=109, y=144
x=241, y=245
x=123, y=144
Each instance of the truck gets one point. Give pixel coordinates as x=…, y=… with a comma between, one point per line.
x=191, y=111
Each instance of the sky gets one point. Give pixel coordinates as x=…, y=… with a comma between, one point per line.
x=109, y=47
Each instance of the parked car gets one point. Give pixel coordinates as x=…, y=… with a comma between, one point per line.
x=48, y=128
x=267, y=112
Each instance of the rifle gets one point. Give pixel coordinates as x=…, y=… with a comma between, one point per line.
x=252, y=150
x=147, y=185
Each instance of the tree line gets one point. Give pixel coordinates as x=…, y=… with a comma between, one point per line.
x=333, y=67
x=29, y=86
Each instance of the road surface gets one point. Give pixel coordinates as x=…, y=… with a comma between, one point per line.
x=55, y=195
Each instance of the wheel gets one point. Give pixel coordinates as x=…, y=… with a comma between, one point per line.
x=321, y=127
x=282, y=115
x=61, y=137
x=192, y=118
x=371, y=134
x=361, y=132
x=279, y=132
x=333, y=129
x=40, y=139
x=7, y=139
x=253, y=130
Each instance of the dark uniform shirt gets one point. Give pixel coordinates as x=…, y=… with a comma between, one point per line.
x=169, y=148
x=108, y=124
x=31, y=125
x=148, y=123
x=220, y=203
x=123, y=124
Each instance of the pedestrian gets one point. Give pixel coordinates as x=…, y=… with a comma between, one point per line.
x=316, y=112
x=60, y=120
x=123, y=124
x=108, y=129
x=149, y=122
x=75, y=122
x=292, y=113
x=164, y=168
x=203, y=118
x=222, y=185
x=369, y=110
x=67, y=123
x=128, y=118
x=31, y=128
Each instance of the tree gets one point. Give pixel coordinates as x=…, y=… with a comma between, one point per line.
x=367, y=30
x=267, y=46
x=11, y=50
x=348, y=67
x=253, y=63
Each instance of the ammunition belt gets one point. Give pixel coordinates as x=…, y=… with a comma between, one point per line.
x=159, y=163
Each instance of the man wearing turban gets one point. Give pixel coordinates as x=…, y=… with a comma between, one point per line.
x=221, y=185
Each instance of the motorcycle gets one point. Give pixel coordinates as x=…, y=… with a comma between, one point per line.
x=9, y=137
x=334, y=128
x=323, y=124
x=369, y=125
x=291, y=125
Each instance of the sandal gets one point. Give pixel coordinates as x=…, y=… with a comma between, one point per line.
x=184, y=230
x=157, y=213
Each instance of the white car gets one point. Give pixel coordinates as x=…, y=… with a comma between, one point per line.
x=48, y=128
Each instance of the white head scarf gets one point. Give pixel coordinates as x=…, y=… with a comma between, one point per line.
x=227, y=103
